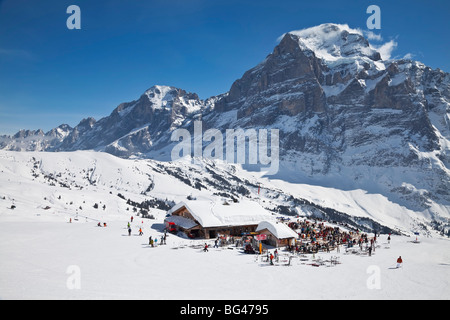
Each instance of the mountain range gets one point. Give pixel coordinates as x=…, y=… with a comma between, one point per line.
x=348, y=119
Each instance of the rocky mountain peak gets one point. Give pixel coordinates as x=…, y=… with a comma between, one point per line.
x=332, y=42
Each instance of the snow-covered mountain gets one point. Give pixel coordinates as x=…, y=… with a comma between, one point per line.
x=135, y=127
x=349, y=119
x=35, y=140
x=70, y=184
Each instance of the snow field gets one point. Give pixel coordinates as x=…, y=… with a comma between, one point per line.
x=43, y=256
x=39, y=259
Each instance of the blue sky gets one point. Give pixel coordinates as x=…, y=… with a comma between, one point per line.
x=50, y=75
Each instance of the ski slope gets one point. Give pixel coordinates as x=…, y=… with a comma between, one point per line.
x=41, y=258
x=52, y=249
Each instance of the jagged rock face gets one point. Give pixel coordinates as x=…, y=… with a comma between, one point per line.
x=287, y=80
x=344, y=112
x=335, y=101
x=347, y=118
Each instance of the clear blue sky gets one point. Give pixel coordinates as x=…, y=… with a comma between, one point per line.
x=51, y=75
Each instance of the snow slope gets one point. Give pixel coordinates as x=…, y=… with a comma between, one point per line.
x=39, y=258
x=42, y=252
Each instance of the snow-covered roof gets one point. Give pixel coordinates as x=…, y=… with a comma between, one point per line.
x=216, y=214
x=278, y=229
x=182, y=222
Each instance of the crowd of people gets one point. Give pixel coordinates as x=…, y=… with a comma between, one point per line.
x=315, y=236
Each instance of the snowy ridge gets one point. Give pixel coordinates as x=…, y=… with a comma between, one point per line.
x=84, y=178
x=332, y=42
x=338, y=44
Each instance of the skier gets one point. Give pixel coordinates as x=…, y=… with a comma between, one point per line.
x=370, y=251
x=150, y=240
x=271, y=259
x=389, y=238
x=399, y=262
x=129, y=231
x=131, y=218
x=140, y=232
x=206, y=248
x=215, y=244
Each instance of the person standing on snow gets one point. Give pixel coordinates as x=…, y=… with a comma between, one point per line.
x=399, y=262
x=129, y=231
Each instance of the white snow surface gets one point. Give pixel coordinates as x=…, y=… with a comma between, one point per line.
x=42, y=252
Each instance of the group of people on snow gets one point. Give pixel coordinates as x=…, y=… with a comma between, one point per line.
x=151, y=241
x=313, y=236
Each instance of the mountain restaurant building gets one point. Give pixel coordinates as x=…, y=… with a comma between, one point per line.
x=277, y=234
x=208, y=219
